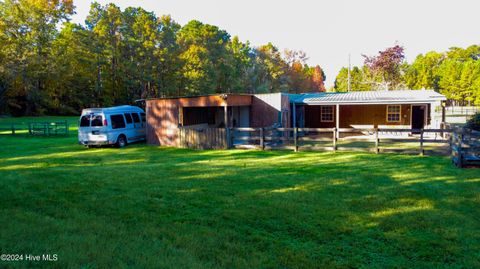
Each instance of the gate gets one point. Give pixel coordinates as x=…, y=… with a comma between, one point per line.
x=203, y=138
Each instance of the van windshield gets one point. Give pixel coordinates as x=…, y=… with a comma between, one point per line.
x=91, y=120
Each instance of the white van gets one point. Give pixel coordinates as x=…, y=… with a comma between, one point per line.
x=117, y=125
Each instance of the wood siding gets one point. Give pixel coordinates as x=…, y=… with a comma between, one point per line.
x=312, y=118
x=162, y=121
x=266, y=110
x=163, y=114
x=373, y=115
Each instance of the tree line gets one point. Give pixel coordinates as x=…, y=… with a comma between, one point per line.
x=49, y=65
x=454, y=73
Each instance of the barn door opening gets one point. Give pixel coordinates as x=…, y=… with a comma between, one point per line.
x=418, y=117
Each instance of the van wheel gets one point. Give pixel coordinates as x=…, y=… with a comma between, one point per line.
x=121, y=141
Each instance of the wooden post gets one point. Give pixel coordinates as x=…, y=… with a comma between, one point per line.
x=337, y=119
x=295, y=138
x=227, y=133
x=232, y=137
x=13, y=128
x=262, y=139
x=443, y=111
x=377, y=141
x=460, y=153
x=294, y=116
x=422, y=152
x=334, y=139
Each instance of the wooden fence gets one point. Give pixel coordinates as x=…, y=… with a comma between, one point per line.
x=206, y=138
x=465, y=147
x=35, y=128
x=334, y=139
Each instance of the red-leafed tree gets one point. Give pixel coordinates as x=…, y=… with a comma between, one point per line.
x=386, y=67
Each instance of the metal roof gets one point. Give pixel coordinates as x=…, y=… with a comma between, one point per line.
x=112, y=109
x=368, y=97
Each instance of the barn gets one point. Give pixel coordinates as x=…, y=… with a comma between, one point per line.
x=407, y=109
x=169, y=119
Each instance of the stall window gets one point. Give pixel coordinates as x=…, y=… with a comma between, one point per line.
x=393, y=113
x=326, y=114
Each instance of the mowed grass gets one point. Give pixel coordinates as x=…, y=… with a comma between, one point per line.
x=154, y=207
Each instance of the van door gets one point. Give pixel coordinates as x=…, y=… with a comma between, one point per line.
x=118, y=125
x=130, y=126
x=92, y=128
x=84, y=128
x=138, y=126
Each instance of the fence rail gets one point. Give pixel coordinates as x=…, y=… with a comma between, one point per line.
x=311, y=139
x=377, y=140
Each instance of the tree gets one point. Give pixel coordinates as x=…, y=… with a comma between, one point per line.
x=242, y=62
x=459, y=75
x=203, y=53
x=386, y=66
x=167, y=67
x=359, y=79
x=105, y=23
x=71, y=87
x=48, y=65
x=270, y=69
x=28, y=28
x=139, y=39
x=318, y=78
x=423, y=72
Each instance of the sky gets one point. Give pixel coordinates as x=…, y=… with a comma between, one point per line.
x=328, y=30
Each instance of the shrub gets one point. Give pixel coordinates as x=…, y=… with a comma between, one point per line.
x=474, y=122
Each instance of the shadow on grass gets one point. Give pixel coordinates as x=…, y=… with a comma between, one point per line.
x=237, y=208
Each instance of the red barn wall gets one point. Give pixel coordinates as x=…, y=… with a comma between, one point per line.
x=163, y=114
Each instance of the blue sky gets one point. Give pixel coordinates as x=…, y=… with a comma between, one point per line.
x=328, y=31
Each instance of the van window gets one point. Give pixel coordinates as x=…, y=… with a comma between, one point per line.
x=85, y=121
x=117, y=121
x=97, y=120
x=128, y=117
x=136, y=118
x=143, y=116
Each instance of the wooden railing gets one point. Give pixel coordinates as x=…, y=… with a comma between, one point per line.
x=465, y=147
x=303, y=138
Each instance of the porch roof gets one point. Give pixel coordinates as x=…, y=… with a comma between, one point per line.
x=368, y=97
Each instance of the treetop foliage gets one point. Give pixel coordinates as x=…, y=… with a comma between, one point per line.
x=454, y=73
x=51, y=66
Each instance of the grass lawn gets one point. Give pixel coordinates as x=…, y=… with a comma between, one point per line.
x=145, y=206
